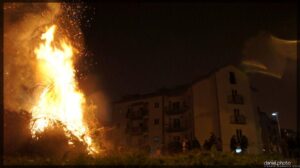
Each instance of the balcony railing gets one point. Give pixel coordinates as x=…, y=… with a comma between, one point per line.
x=136, y=130
x=137, y=115
x=176, y=129
x=133, y=116
x=235, y=99
x=174, y=111
x=240, y=119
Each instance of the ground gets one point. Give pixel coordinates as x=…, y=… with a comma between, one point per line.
x=136, y=158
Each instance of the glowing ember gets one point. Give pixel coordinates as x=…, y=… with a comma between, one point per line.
x=60, y=101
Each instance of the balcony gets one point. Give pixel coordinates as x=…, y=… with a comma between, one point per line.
x=137, y=115
x=136, y=130
x=176, y=129
x=175, y=111
x=235, y=99
x=240, y=119
x=134, y=116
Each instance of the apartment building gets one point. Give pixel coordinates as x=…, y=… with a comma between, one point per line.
x=218, y=103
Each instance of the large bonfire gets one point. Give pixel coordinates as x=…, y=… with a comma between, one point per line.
x=60, y=100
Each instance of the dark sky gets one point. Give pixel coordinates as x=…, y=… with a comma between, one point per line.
x=140, y=47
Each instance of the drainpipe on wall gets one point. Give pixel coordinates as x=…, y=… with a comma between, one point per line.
x=163, y=122
x=218, y=113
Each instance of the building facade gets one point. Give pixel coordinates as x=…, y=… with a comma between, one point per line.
x=219, y=103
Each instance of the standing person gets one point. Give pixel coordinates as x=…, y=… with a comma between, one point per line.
x=184, y=145
x=195, y=144
x=219, y=144
x=244, y=143
x=206, y=145
x=158, y=151
x=233, y=143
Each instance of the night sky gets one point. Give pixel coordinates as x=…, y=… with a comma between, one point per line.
x=141, y=47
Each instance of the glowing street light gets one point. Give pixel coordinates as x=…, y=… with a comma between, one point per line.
x=275, y=114
x=238, y=150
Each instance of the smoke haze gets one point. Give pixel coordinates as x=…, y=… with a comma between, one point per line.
x=23, y=23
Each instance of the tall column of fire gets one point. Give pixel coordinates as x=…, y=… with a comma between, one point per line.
x=60, y=101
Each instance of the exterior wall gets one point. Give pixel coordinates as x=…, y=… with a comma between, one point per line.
x=155, y=130
x=157, y=134
x=119, y=121
x=205, y=109
x=152, y=136
x=226, y=109
x=185, y=131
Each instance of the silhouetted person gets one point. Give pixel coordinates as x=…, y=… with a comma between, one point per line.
x=184, y=145
x=219, y=144
x=206, y=145
x=189, y=144
x=244, y=143
x=292, y=146
x=212, y=139
x=175, y=146
x=195, y=144
x=233, y=143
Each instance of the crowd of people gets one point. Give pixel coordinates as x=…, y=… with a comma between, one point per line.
x=186, y=145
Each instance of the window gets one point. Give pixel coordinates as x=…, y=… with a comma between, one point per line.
x=235, y=98
x=156, y=121
x=176, y=105
x=237, y=118
x=184, y=104
x=234, y=92
x=236, y=114
x=232, y=79
x=170, y=104
x=156, y=105
x=176, y=123
x=239, y=134
x=156, y=139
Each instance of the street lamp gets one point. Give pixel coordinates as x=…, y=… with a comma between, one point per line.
x=275, y=114
x=238, y=150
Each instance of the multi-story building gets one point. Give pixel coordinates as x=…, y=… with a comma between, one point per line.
x=218, y=103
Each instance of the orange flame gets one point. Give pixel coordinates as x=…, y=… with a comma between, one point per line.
x=60, y=101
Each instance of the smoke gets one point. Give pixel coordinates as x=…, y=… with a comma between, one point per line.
x=23, y=23
x=268, y=55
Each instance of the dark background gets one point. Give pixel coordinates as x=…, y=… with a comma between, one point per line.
x=140, y=47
